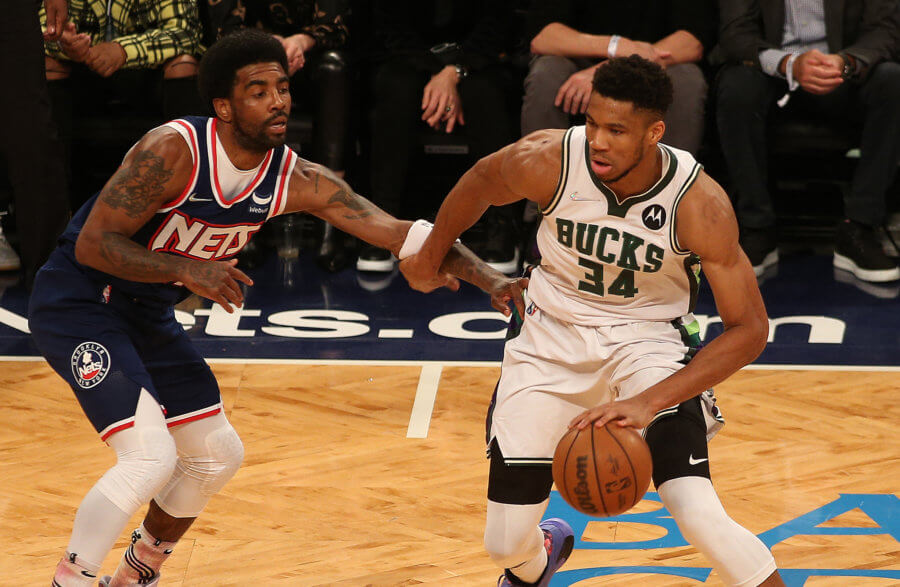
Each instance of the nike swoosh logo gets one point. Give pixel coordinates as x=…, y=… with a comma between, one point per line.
x=196, y=198
x=260, y=201
x=693, y=461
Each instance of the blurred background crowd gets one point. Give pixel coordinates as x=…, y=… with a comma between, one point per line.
x=793, y=105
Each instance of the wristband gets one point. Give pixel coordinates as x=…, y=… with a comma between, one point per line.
x=613, y=45
x=415, y=238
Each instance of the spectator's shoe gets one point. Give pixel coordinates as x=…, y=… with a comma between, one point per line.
x=558, y=540
x=336, y=251
x=374, y=259
x=104, y=582
x=9, y=260
x=761, y=248
x=500, y=248
x=857, y=250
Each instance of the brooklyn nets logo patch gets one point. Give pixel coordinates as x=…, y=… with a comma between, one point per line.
x=654, y=216
x=90, y=364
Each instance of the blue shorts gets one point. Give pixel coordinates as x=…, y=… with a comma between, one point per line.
x=108, y=345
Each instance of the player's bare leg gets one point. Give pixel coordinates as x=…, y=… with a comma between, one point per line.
x=151, y=545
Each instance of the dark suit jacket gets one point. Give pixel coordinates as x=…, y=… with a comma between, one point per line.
x=869, y=30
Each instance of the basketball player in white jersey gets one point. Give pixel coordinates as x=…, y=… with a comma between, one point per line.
x=187, y=197
x=608, y=333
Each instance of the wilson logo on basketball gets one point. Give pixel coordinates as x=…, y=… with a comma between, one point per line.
x=581, y=490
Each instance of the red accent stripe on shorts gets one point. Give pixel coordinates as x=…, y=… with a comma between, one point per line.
x=195, y=417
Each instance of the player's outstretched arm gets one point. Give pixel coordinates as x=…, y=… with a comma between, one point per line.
x=318, y=190
x=527, y=169
x=706, y=226
x=155, y=171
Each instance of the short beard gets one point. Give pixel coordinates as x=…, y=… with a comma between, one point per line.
x=629, y=170
x=257, y=143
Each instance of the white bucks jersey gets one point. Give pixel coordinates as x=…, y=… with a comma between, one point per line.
x=605, y=262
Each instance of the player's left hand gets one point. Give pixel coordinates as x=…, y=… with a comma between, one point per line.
x=508, y=289
x=634, y=412
x=106, y=58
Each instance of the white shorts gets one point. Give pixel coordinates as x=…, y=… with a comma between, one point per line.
x=553, y=371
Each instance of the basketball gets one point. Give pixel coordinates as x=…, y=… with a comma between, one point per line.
x=602, y=471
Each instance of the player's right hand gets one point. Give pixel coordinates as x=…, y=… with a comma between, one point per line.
x=217, y=281
x=422, y=278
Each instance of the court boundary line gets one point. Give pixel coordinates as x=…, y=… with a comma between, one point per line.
x=422, y=363
x=423, y=405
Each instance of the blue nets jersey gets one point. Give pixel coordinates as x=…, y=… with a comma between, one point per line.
x=205, y=221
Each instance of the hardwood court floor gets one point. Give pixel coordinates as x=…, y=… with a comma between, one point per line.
x=332, y=492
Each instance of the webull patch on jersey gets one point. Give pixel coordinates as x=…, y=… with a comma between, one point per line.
x=90, y=364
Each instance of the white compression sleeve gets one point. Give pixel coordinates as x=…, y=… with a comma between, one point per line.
x=513, y=539
x=209, y=454
x=740, y=558
x=146, y=456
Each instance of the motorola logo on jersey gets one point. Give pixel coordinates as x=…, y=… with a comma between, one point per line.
x=654, y=216
x=193, y=237
x=90, y=364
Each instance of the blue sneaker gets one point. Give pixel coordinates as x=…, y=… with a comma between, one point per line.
x=558, y=540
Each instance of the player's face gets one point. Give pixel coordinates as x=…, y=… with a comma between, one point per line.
x=619, y=137
x=261, y=103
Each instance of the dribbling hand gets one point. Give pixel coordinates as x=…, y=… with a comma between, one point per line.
x=217, y=281
x=633, y=412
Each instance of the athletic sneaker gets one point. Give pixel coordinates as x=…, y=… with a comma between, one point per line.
x=104, y=582
x=371, y=258
x=761, y=247
x=558, y=540
x=858, y=251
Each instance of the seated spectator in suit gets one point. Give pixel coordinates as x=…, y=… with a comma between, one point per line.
x=438, y=63
x=314, y=35
x=571, y=38
x=811, y=56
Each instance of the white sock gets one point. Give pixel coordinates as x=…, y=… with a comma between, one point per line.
x=142, y=560
x=531, y=571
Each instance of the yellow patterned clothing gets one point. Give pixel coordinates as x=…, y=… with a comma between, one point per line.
x=150, y=31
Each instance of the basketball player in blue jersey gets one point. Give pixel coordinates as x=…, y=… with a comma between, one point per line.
x=187, y=197
x=608, y=334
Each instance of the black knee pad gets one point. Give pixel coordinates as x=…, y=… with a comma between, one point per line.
x=678, y=443
x=517, y=484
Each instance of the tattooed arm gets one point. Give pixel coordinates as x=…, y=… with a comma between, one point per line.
x=155, y=171
x=317, y=190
